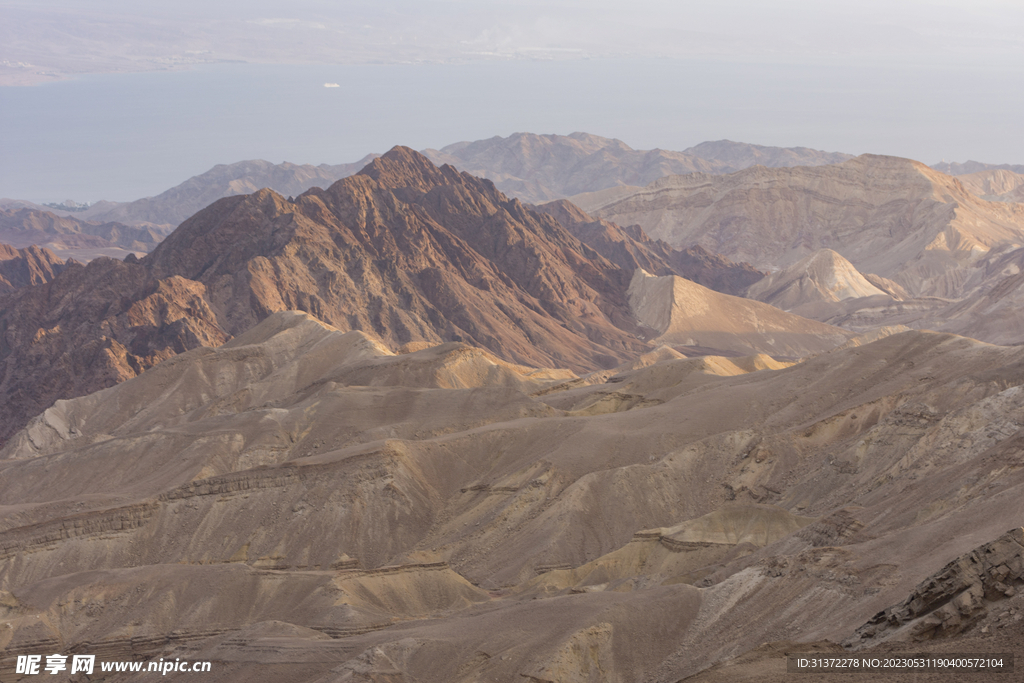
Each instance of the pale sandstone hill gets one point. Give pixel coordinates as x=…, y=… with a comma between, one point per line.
x=893, y=217
x=539, y=168
x=299, y=504
x=685, y=314
x=822, y=276
x=826, y=287
x=995, y=185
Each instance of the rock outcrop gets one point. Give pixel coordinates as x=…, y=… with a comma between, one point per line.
x=24, y=267
x=953, y=599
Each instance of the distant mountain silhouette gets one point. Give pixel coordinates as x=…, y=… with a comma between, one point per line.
x=73, y=236
x=539, y=168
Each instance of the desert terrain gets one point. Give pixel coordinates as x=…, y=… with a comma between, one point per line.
x=720, y=405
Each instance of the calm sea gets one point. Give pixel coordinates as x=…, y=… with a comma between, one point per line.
x=121, y=137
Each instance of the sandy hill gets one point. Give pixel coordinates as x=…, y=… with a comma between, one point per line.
x=302, y=504
x=683, y=313
x=822, y=276
x=995, y=185
x=403, y=250
x=72, y=237
x=539, y=168
x=889, y=216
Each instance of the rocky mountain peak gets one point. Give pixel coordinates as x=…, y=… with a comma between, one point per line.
x=404, y=168
x=29, y=266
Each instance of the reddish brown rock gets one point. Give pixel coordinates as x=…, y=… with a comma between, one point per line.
x=29, y=266
x=92, y=327
x=404, y=250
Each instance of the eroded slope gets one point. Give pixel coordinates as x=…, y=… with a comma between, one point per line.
x=444, y=515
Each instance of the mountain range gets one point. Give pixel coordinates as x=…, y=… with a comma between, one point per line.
x=407, y=427
x=405, y=251
x=969, y=167
x=533, y=168
x=539, y=168
x=72, y=237
x=891, y=217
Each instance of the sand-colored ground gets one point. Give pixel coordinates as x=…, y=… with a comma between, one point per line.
x=301, y=504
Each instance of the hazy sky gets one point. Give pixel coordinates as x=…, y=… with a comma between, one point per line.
x=313, y=31
x=927, y=79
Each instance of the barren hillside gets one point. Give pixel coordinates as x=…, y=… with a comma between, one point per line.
x=889, y=216
x=302, y=495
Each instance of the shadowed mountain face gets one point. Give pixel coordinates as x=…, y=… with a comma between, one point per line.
x=403, y=250
x=630, y=248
